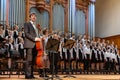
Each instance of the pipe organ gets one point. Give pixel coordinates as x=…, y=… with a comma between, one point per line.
x=12, y=12
x=16, y=12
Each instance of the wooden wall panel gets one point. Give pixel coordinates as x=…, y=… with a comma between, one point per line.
x=116, y=40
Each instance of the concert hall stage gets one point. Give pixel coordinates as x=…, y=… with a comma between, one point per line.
x=78, y=77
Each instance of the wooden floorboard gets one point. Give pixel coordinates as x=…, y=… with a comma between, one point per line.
x=78, y=77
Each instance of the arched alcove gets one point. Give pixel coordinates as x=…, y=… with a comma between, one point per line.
x=58, y=17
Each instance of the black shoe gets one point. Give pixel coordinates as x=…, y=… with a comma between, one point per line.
x=17, y=73
x=28, y=77
x=41, y=75
x=72, y=72
x=67, y=72
x=46, y=76
x=56, y=76
x=32, y=76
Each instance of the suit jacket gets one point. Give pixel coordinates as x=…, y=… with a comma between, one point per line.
x=30, y=34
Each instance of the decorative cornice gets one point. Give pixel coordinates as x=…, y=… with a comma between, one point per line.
x=82, y=4
x=43, y=5
x=40, y=5
x=92, y=1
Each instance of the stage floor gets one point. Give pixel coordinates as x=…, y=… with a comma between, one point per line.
x=78, y=77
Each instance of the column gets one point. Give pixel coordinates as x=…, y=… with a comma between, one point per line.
x=92, y=19
x=3, y=12
x=19, y=7
x=66, y=19
x=86, y=22
x=71, y=15
x=16, y=13
x=27, y=10
x=11, y=19
x=23, y=12
x=13, y=5
x=7, y=12
x=51, y=13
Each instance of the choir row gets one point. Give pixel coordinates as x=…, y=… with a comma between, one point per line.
x=93, y=54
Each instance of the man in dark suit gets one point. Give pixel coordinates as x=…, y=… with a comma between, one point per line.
x=31, y=36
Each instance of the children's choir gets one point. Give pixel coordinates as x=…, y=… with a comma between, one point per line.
x=86, y=55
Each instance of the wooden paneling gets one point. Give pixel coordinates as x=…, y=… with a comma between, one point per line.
x=116, y=40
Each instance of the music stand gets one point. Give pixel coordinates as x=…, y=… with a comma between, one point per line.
x=53, y=46
x=68, y=45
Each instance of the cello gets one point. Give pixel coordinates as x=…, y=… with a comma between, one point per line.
x=42, y=60
x=39, y=48
x=39, y=58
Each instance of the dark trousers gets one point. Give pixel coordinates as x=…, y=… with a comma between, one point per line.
x=30, y=61
x=107, y=64
x=54, y=64
x=113, y=68
x=21, y=51
x=87, y=62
